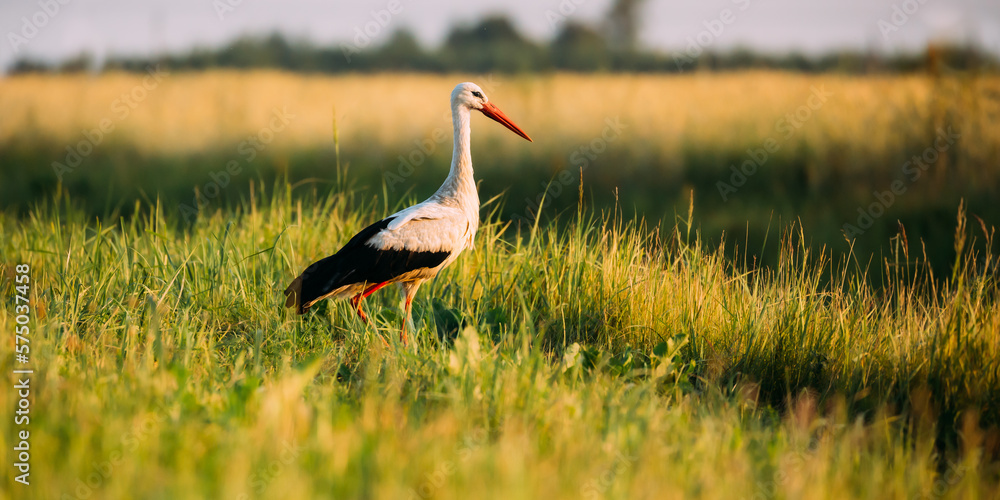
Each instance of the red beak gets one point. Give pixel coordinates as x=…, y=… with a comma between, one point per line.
x=494, y=112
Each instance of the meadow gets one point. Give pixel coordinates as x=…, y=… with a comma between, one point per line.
x=621, y=343
x=759, y=149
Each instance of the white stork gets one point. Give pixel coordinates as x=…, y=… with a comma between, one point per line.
x=410, y=246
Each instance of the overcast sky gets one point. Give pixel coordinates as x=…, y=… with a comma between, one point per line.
x=104, y=27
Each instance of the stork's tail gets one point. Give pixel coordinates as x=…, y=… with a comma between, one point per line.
x=355, y=263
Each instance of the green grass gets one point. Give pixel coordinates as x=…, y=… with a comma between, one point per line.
x=595, y=358
x=641, y=140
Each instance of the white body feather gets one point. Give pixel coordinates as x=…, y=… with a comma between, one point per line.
x=448, y=220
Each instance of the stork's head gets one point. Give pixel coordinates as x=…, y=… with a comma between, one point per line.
x=469, y=94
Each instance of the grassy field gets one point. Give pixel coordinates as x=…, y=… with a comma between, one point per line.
x=839, y=143
x=628, y=346
x=595, y=361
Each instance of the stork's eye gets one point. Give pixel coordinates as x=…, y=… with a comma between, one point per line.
x=477, y=94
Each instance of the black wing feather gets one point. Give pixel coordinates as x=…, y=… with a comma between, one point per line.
x=357, y=262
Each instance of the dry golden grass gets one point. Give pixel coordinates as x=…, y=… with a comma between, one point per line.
x=198, y=111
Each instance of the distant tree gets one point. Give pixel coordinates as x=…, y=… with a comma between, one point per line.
x=80, y=63
x=846, y=62
x=954, y=56
x=742, y=57
x=492, y=45
x=253, y=52
x=579, y=47
x=199, y=58
x=621, y=27
x=22, y=66
x=241, y=53
x=403, y=52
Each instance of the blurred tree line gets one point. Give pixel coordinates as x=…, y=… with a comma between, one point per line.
x=494, y=44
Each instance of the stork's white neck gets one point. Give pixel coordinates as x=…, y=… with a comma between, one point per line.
x=460, y=186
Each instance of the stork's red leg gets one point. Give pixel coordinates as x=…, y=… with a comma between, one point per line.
x=372, y=289
x=356, y=303
x=356, y=300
